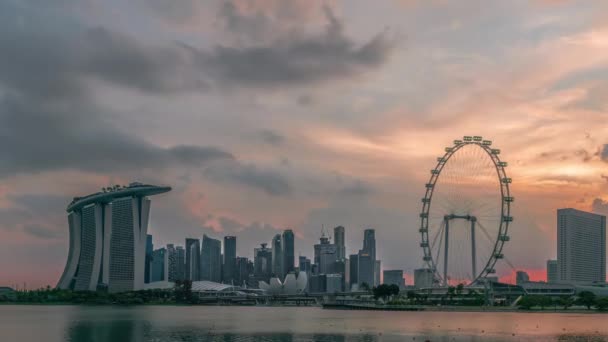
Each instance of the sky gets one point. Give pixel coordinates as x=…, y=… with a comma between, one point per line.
x=269, y=114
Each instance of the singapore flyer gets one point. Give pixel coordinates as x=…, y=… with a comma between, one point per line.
x=466, y=213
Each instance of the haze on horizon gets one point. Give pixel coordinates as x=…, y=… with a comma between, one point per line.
x=268, y=114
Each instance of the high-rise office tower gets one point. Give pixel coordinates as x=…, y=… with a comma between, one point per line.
x=242, y=271
x=229, y=269
x=339, y=242
x=181, y=262
x=552, y=271
x=369, y=242
x=581, y=246
x=177, y=258
x=354, y=270
x=288, y=245
x=394, y=277
x=149, y=250
x=326, y=255
x=108, y=233
x=262, y=263
x=377, y=273
x=423, y=278
x=304, y=264
x=211, y=259
x=366, y=268
x=521, y=277
x=277, y=256
x=159, y=268
x=193, y=259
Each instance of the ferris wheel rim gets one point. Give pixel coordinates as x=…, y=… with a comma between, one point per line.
x=505, y=212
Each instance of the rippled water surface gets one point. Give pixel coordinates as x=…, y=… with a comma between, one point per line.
x=273, y=324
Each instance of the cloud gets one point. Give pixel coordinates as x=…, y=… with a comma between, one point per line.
x=358, y=188
x=48, y=59
x=599, y=206
x=39, y=135
x=295, y=57
x=271, y=137
x=40, y=231
x=604, y=153
x=45, y=60
x=231, y=171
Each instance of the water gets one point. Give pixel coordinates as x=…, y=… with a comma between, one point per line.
x=278, y=324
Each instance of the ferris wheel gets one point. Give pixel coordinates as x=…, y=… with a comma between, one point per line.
x=466, y=212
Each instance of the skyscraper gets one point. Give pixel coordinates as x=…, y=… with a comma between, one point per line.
x=377, y=273
x=365, y=272
x=193, y=259
x=229, y=270
x=277, y=256
x=552, y=271
x=288, y=245
x=369, y=242
x=521, y=277
x=394, y=277
x=339, y=242
x=177, y=258
x=326, y=255
x=149, y=250
x=354, y=269
x=581, y=246
x=423, y=278
x=262, y=263
x=211, y=260
x=242, y=271
x=159, y=268
x=304, y=264
x=108, y=233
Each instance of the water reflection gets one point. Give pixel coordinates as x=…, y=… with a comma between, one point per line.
x=117, y=330
x=185, y=324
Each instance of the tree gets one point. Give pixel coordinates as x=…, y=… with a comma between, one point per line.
x=450, y=293
x=602, y=304
x=412, y=295
x=459, y=289
x=365, y=287
x=566, y=302
x=183, y=291
x=385, y=290
x=586, y=298
x=544, y=301
x=393, y=290
x=527, y=302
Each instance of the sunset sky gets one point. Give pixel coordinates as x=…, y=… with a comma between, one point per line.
x=268, y=114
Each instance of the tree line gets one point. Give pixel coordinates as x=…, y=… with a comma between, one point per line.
x=181, y=293
x=584, y=298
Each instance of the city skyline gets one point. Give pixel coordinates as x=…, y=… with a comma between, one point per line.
x=338, y=124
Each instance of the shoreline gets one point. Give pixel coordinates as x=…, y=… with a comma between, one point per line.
x=337, y=307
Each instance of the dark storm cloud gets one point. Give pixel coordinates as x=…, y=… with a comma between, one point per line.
x=232, y=171
x=48, y=63
x=46, y=58
x=38, y=135
x=296, y=57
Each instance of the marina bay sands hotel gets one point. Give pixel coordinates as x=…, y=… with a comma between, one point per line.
x=108, y=239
